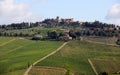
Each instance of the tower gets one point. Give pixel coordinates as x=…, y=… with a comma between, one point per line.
x=57, y=18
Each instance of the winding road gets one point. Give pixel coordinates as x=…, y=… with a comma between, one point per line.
x=28, y=69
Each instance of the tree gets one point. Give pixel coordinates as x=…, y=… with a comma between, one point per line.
x=118, y=41
x=64, y=38
x=103, y=73
x=37, y=37
x=68, y=72
x=53, y=35
x=72, y=34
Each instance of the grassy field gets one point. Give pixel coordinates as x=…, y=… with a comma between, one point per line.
x=74, y=56
x=17, y=55
x=107, y=65
x=105, y=40
x=4, y=40
x=17, y=72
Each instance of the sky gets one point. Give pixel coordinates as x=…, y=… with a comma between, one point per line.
x=16, y=11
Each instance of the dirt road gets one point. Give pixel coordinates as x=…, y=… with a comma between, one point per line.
x=91, y=64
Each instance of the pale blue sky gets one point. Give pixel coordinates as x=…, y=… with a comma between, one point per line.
x=81, y=10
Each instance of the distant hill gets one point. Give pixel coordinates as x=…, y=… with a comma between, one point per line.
x=75, y=27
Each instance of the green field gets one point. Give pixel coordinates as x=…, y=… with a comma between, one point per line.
x=107, y=65
x=74, y=56
x=17, y=55
x=105, y=40
x=4, y=40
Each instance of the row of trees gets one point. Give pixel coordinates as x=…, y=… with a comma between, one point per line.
x=19, y=26
x=21, y=34
x=101, y=29
x=105, y=33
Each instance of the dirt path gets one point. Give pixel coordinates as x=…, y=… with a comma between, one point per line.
x=7, y=42
x=26, y=72
x=91, y=64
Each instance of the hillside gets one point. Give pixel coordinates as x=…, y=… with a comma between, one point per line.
x=20, y=53
x=74, y=57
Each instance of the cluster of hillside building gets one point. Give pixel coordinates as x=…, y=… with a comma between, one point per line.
x=59, y=20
